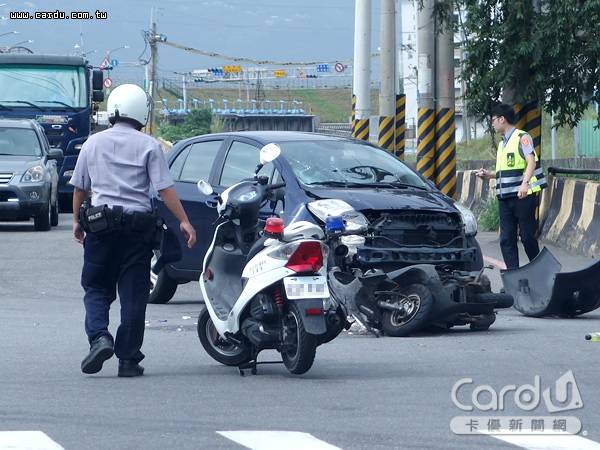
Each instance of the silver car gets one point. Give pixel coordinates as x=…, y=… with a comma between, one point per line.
x=28, y=174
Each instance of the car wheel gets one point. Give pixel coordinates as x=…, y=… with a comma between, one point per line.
x=162, y=286
x=54, y=214
x=41, y=221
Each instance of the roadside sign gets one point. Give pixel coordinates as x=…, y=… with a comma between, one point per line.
x=105, y=63
x=339, y=67
x=114, y=62
x=107, y=83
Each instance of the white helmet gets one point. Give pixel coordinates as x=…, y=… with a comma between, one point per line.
x=129, y=101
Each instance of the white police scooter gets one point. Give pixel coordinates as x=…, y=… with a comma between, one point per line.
x=263, y=292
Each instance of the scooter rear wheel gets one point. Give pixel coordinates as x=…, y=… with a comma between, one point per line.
x=300, y=347
x=217, y=347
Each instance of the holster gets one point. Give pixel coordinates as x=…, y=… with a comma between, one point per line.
x=103, y=219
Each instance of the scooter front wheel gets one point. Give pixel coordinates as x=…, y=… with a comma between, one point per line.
x=216, y=346
x=417, y=305
x=299, y=347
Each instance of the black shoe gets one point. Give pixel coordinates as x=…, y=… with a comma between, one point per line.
x=130, y=369
x=100, y=350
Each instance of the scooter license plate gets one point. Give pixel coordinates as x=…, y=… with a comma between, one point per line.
x=306, y=287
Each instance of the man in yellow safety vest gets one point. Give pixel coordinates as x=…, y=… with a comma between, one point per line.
x=519, y=179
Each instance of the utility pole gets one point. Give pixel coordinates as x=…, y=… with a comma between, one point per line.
x=400, y=119
x=445, y=128
x=426, y=90
x=184, y=88
x=362, y=69
x=152, y=85
x=387, y=74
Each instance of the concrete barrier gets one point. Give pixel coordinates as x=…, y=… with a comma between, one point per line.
x=569, y=209
x=572, y=218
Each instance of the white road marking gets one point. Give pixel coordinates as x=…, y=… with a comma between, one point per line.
x=27, y=440
x=277, y=440
x=549, y=442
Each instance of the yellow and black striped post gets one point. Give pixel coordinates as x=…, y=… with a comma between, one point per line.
x=533, y=126
x=520, y=115
x=445, y=152
x=360, y=129
x=353, y=114
x=386, y=133
x=400, y=126
x=426, y=143
x=528, y=118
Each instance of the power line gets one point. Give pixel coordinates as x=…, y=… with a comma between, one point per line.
x=258, y=62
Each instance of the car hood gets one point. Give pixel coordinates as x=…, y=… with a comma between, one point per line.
x=388, y=199
x=17, y=164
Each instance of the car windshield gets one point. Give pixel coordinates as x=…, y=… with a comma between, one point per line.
x=19, y=142
x=345, y=163
x=42, y=86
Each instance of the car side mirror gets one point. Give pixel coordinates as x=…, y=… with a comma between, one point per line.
x=204, y=187
x=56, y=154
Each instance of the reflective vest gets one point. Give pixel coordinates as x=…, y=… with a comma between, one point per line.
x=510, y=168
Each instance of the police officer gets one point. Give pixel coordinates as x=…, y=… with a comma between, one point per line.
x=118, y=166
x=519, y=179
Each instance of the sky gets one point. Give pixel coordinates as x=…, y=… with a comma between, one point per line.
x=289, y=30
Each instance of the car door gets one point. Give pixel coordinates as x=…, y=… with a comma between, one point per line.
x=240, y=163
x=194, y=162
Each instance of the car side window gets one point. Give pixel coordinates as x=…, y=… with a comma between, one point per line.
x=177, y=164
x=199, y=161
x=241, y=162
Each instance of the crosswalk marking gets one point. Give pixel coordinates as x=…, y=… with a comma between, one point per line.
x=26, y=440
x=549, y=442
x=277, y=440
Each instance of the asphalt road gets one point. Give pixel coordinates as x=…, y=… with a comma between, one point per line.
x=362, y=392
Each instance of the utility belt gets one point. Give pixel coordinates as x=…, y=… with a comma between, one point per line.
x=101, y=220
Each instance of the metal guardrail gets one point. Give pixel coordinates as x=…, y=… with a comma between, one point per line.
x=570, y=171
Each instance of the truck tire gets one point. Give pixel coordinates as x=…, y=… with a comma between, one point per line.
x=398, y=324
x=41, y=221
x=54, y=213
x=162, y=286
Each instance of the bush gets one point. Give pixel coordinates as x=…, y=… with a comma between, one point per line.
x=489, y=218
x=197, y=122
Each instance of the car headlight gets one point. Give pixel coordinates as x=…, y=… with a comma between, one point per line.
x=34, y=174
x=353, y=220
x=68, y=173
x=77, y=146
x=468, y=218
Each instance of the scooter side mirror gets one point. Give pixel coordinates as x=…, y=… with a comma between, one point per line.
x=204, y=187
x=269, y=152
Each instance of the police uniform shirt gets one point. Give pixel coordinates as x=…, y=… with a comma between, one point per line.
x=118, y=165
x=525, y=143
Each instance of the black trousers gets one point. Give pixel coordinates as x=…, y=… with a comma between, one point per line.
x=518, y=216
x=117, y=262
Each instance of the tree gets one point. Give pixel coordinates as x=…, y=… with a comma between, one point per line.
x=545, y=51
x=197, y=122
